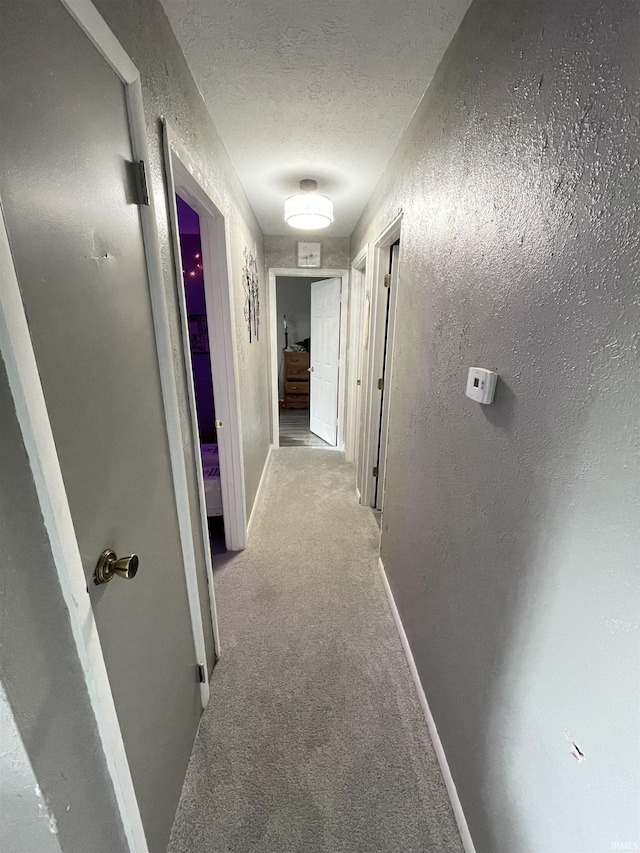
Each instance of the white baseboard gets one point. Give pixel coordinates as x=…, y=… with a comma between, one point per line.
x=263, y=478
x=467, y=841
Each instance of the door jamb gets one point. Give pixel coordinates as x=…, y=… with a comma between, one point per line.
x=294, y=272
x=354, y=357
x=184, y=178
x=381, y=253
x=360, y=346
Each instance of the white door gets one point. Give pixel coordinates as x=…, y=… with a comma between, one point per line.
x=325, y=351
x=77, y=245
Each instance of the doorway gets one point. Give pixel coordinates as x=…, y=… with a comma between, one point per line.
x=213, y=310
x=307, y=342
x=293, y=309
x=196, y=304
x=384, y=292
x=357, y=348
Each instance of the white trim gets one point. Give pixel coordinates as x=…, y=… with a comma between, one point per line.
x=97, y=31
x=354, y=358
x=274, y=272
x=33, y=418
x=465, y=835
x=263, y=479
x=375, y=356
x=363, y=263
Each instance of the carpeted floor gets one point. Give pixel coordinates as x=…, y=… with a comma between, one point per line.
x=314, y=740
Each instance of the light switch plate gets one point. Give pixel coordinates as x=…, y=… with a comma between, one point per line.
x=481, y=385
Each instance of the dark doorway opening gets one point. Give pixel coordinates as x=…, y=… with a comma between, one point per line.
x=195, y=296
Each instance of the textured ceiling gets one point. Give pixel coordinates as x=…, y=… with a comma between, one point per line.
x=312, y=88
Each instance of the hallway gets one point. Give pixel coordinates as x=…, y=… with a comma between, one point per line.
x=314, y=739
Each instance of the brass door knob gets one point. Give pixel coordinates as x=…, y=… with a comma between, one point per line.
x=109, y=565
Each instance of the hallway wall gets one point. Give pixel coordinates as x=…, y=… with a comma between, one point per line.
x=282, y=251
x=293, y=297
x=169, y=91
x=510, y=532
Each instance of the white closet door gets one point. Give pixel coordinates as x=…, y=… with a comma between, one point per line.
x=325, y=350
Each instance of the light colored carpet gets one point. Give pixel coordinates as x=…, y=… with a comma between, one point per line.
x=314, y=740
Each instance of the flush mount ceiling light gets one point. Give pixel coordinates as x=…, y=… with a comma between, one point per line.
x=307, y=209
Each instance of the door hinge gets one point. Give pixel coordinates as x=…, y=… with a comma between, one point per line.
x=201, y=674
x=380, y=384
x=140, y=179
x=219, y=424
x=387, y=279
x=375, y=471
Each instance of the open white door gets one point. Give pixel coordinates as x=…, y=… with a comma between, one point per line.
x=325, y=351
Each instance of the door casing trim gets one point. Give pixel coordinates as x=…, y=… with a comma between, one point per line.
x=343, y=275
x=183, y=177
x=356, y=367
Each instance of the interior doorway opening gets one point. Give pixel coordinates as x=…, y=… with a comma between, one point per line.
x=197, y=317
x=379, y=356
x=307, y=326
x=293, y=310
x=387, y=321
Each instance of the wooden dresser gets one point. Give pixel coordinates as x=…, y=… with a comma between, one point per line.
x=296, y=380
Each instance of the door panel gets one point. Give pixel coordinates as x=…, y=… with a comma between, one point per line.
x=77, y=246
x=325, y=351
x=383, y=433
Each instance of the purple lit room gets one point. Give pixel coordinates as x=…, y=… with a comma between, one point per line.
x=193, y=279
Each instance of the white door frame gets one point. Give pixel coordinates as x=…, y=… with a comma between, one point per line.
x=356, y=384
x=381, y=255
x=184, y=179
x=343, y=275
x=35, y=426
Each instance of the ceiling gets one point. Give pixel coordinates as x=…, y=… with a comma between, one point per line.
x=317, y=89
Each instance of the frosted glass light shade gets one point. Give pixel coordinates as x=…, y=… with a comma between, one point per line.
x=308, y=211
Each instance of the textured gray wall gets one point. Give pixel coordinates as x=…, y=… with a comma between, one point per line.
x=39, y=666
x=169, y=91
x=510, y=532
x=282, y=252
